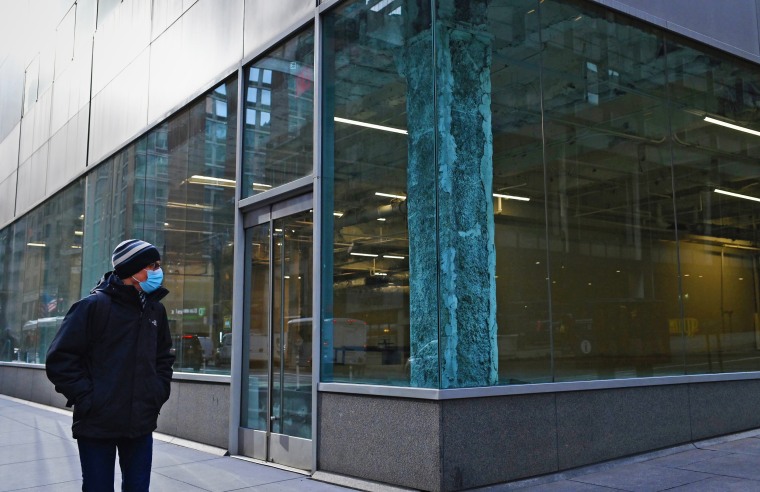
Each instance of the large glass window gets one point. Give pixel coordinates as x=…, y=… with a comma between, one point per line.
x=175, y=187
x=374, y=57
x=279, y=114
x=41, y=259
x=714, y=101
x=624, y=194
x=618, y=252
x=189, y=209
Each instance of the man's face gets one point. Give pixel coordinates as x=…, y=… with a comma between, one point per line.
x=142, y=275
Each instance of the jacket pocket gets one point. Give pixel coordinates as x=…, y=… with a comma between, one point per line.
x=83, y=407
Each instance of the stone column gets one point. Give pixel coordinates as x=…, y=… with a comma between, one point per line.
x=464, y=307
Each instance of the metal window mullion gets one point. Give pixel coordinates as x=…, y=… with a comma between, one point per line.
x=316, y=271
x=238, y=278
x=270, y=339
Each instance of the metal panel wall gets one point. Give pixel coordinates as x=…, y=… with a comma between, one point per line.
x=164, y=15
x=11, y=90
x=7, y=198
x=193, y=53
x=734, y=28
x=121, y=37
x=9, y=153
x=68, y=152
x=265, y=20
x=119, y=111
x=32, y=175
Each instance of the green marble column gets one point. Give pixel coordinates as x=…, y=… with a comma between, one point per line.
x=461, y=198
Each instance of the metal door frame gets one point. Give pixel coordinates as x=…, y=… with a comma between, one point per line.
x=266, y=445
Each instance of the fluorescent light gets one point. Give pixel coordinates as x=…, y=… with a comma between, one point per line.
x=382, y=219
x=390, y=195
x=364, y=254
x=78, y=233
x=737, y=195
x=393, y=257
x=381, y=274
x=188, y=205
x=36, y=245
x=210, y=180
x=260, y=186
x=732, y=126
x=512, y=197
x=338, y=214
x=371, y=125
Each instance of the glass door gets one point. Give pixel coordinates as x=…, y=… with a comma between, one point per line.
x=276, y=412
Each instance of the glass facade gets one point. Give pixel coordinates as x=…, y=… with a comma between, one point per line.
x=173, y=187
x=369, y=72
x=617, y=219
x=279, y=116
x=622, y=195
x=40, y=261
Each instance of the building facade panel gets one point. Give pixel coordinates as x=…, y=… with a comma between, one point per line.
x=265, y=22
x=388, y=432
x=192, y=52
x=198, y=402
x=123, y=33
x=594, y=426
x=710, y=416
x=32, y=176
x=492, y=440
x=59, y=157
x=8, y=198
x=126, y=97
x=164, y=14
x=9, y=148
x=11, y=94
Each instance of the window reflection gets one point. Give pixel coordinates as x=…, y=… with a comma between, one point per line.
x=630, y=264
x=192, y=212
x=174, y=187
x=366, y=325
x=41, y=261
x=279, y=95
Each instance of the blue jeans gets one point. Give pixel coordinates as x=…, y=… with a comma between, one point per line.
x=98, y=457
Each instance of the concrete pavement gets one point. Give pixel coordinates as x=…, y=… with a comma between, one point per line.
x=728, y=463
x=37, y=453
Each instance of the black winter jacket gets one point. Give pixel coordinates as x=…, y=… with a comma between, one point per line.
x=117, y=376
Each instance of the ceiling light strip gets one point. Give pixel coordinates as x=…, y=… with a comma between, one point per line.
x=732, y=126
x=737, y=195
x=371, y=125
x=512, y=197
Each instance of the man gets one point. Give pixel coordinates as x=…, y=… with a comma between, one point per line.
x=111, y=359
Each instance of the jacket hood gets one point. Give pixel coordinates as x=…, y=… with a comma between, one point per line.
x=112, y=285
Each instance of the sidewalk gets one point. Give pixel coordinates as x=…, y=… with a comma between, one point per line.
x=728, y=463
x=37, y=453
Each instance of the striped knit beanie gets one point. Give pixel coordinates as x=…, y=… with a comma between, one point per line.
x=133, y=255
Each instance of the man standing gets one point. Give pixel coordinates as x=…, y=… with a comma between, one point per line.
x=111, y=359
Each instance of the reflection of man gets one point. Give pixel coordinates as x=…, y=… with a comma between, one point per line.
x=111, y=358
x=7, y=344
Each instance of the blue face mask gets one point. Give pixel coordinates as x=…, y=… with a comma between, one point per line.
x=153, y=282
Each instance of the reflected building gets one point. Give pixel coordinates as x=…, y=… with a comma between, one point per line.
x=480, y=241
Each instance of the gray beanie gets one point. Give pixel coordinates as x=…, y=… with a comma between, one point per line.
x=133, y=255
